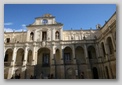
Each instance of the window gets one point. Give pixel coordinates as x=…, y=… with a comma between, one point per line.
x=22, y=57
x=44, y=35
x=67, y=57
x=45, y=59
x=45, y=21
x=103, y=49
x=32, y=36
x=6, y=58
x=57, y=35
x=8, y=40
x=89, y=54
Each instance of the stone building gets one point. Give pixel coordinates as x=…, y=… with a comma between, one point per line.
x=45, y=48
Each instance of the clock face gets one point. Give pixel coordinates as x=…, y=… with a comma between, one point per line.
x=45, y=21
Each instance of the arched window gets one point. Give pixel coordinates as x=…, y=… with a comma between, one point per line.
x=110, y=45
x=6, y=58
x=57, y=35
x=103, y=49
x=31, y=35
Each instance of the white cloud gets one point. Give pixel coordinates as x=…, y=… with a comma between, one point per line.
x=8, y=29
x=8, y=23
x=17, y=30
x=23, y=25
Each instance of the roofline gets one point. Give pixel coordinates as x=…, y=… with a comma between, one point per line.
x=15, y=32
x=108, y=20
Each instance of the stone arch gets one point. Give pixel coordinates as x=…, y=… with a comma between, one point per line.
x=109, y=45
x=31, y=36
x=29, y=56
x=91, y=52
x=68, y=57
x=8, y=48
x=103, y=49
x=43, y=62
x=19, y=48
x=57, y=56
x=80, y=55
x=57, y=35
x=42, y=52
x=95, y=73
x=8, y=57
x=20, y=56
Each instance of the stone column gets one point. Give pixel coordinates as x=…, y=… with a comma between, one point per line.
x=73, y=54
x=52, y=61
x=28, y=36
x=61, y=55
x=62, y=63
x=34, y=58
x=14, y=56
x=35, y=35
x=113, y=40
x=11, y=72
x=89, y=76
x=99, y=66
x=54, y=34
x=4, y=51
x=25, y=56
x=40, y=35
x=61, y=34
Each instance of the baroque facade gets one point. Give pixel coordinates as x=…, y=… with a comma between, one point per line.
x=46, y=48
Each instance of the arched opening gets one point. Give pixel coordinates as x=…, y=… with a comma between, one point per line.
x=8, y=57
x=79, y=54
x=29, y=59
x=43, y=62
x=103, y=49
x=110, y=46
x=57, y=35
x=107, y=72
x=44, y=57
x=18, y=73
x=68, y=55
x=32, y=36
x=20, y=56
x=95, y=73
x=57, y=64
x=80, y=59
x=57, y=56
x=91, y=52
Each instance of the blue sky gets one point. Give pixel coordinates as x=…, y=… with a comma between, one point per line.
x=75, y=16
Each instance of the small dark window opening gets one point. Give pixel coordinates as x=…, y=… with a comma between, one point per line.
x=103, y=49
x=89, y=54
x=44, y=35
x=6, y=58
x=32, y=36
x=57, y=35
x=8, y=40
x=22, y=57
